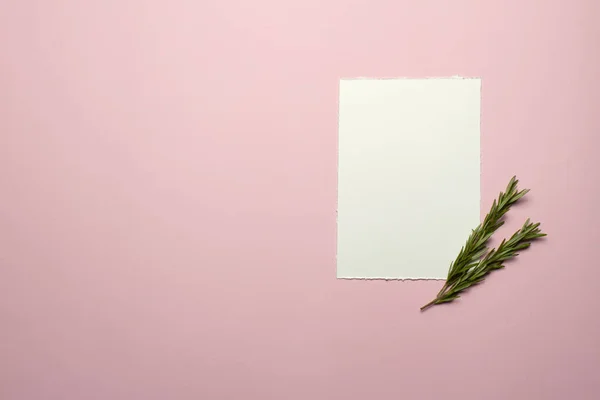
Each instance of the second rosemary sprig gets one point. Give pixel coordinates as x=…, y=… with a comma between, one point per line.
x=493, y=260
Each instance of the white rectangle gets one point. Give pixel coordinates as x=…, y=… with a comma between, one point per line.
x=408, y=175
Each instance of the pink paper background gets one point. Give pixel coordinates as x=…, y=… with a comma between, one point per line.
x=168, y=194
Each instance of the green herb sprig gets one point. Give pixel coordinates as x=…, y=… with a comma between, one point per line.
x=475, y=261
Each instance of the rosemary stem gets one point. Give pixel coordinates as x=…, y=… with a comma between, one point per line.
x=439, y=296
x=431, y=303
x=443, y=290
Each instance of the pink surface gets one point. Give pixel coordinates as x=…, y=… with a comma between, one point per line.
x=168, y=191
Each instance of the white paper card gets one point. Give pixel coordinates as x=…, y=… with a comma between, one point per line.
x=408, y=175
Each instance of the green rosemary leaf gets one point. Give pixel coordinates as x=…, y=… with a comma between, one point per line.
x=447, y=299
x=475, y=261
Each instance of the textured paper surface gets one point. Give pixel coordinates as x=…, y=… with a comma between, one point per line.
x=408, y=175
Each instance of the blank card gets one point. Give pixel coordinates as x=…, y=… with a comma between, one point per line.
x=408, y=175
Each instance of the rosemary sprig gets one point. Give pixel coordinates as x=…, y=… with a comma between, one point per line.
x=474, y=261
